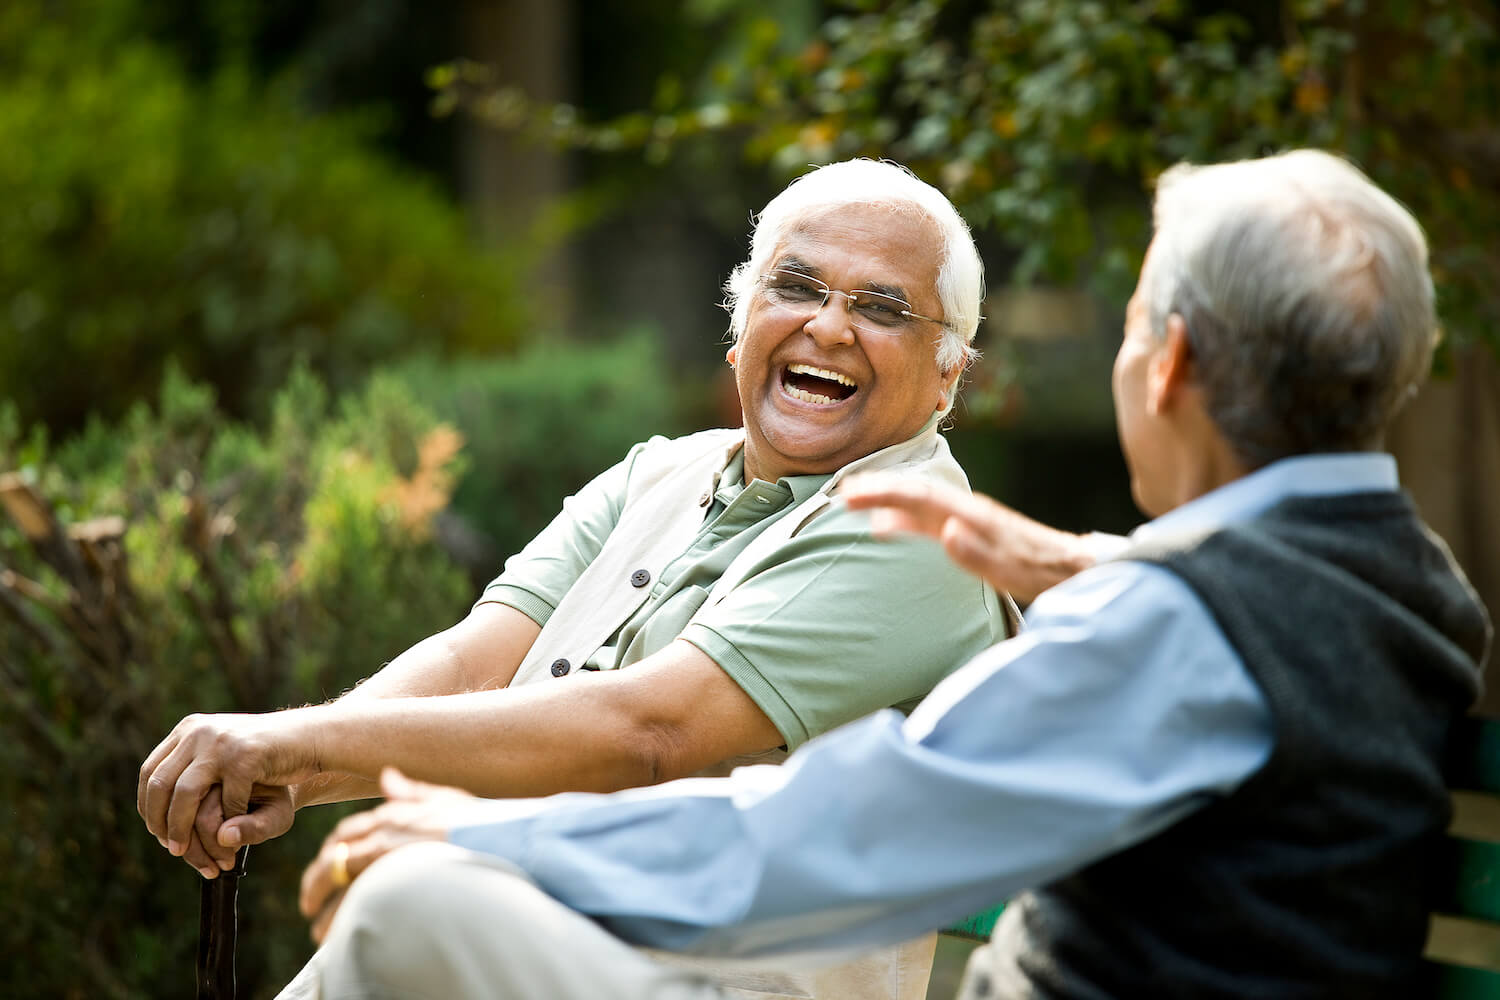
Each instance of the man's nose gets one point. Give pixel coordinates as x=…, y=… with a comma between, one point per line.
x=833, y=322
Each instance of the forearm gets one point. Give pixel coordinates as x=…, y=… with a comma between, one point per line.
x=526, y=741
x=767, y=861
x=482, y=652
x=668, y=716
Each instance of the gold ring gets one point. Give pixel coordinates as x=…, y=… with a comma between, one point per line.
x=338, y=872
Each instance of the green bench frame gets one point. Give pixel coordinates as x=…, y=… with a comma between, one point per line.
x=1463, y=944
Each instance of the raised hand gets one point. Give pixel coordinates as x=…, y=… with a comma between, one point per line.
x=1010, y=551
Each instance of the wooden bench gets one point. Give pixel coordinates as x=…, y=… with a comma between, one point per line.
x=1463, y=943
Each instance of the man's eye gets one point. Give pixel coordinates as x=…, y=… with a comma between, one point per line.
x=799, y=291
x=881, y=310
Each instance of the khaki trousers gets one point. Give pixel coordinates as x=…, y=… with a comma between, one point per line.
x=436, y=922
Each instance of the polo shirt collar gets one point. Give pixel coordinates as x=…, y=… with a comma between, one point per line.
x=733, y=475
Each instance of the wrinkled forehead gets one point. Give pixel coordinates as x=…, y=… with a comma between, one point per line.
x=888, y=244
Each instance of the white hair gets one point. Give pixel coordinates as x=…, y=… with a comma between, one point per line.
x=960, y=279
x=1306, y=296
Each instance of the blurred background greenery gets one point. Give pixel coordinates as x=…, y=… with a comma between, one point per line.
x=311, y=312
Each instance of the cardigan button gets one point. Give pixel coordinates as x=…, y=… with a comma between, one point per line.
x=560, y=667
x=640, y=578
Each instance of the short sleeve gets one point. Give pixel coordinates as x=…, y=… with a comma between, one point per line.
x=536, y=578
x=837, y=624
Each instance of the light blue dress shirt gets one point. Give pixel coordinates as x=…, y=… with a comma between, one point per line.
x=1118, y=711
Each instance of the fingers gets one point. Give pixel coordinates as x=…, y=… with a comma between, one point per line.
x=271, y=814
x=886, y=522
x=395, y=785
x=865, y=492
x=197, y=856
x=903, y=504
x=416, y=812
x=192, y=785
x=324, y=917
x=205, y=838
x=972, y=551
x=152, y=788
x=318, y=881
x=161, y=791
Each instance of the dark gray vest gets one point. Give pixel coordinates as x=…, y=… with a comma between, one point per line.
x=1309, y=881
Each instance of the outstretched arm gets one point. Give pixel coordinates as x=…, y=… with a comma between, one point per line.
x=1010, y=551
x=670, y=715
x=1122, y=710
x=479, y=653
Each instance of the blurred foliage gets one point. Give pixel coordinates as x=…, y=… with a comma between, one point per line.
x=150, y=217
x=333, y=54
x=178, y=562
x=542, y=424
x=1048, y=120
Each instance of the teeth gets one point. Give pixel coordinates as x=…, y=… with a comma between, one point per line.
x=808, y=397
x=801, y=369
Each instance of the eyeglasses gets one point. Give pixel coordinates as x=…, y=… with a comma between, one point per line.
x=872, y=312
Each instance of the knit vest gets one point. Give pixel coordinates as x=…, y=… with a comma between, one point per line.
x=1310, y=880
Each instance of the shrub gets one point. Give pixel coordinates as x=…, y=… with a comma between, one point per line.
x=147, y=218
x=179, y=562
x=540, y=425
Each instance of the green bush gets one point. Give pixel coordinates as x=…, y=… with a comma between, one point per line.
x=189, y=563
x=147, y=217
x=539, y=425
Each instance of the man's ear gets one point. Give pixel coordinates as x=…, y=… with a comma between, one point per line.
x=950, y=383
x=1171, y=367
x=730, y=354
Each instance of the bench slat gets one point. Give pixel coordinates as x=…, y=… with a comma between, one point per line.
x=977, y=926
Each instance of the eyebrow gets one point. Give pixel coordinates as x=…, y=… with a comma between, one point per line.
x=797, y=264
x=791, y=262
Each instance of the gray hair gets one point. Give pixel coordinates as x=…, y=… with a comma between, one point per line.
x=960, y=280
x=1306, y=296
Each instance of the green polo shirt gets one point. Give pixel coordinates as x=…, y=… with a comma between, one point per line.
x=832, y=626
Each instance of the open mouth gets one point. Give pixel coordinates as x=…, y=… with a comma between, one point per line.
x=816, y=385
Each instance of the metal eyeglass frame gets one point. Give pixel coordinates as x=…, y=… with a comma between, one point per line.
x=851, y=301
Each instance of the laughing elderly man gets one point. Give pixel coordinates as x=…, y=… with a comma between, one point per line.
x=705, y=602
x=1209, y=768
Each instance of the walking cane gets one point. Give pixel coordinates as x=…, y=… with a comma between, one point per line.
x=216, y=931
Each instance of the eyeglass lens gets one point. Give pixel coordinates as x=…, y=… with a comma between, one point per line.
x=872, y=312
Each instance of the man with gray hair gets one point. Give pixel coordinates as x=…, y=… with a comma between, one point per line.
x=704, y=603
x=1209, y=768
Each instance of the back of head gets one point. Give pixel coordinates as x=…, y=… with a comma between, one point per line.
x=960, y=279
x=1306, y=296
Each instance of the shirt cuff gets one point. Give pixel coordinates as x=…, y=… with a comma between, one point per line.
x=502, y=827
x=1104, y=546
x=536, y=608
x=743, y=672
